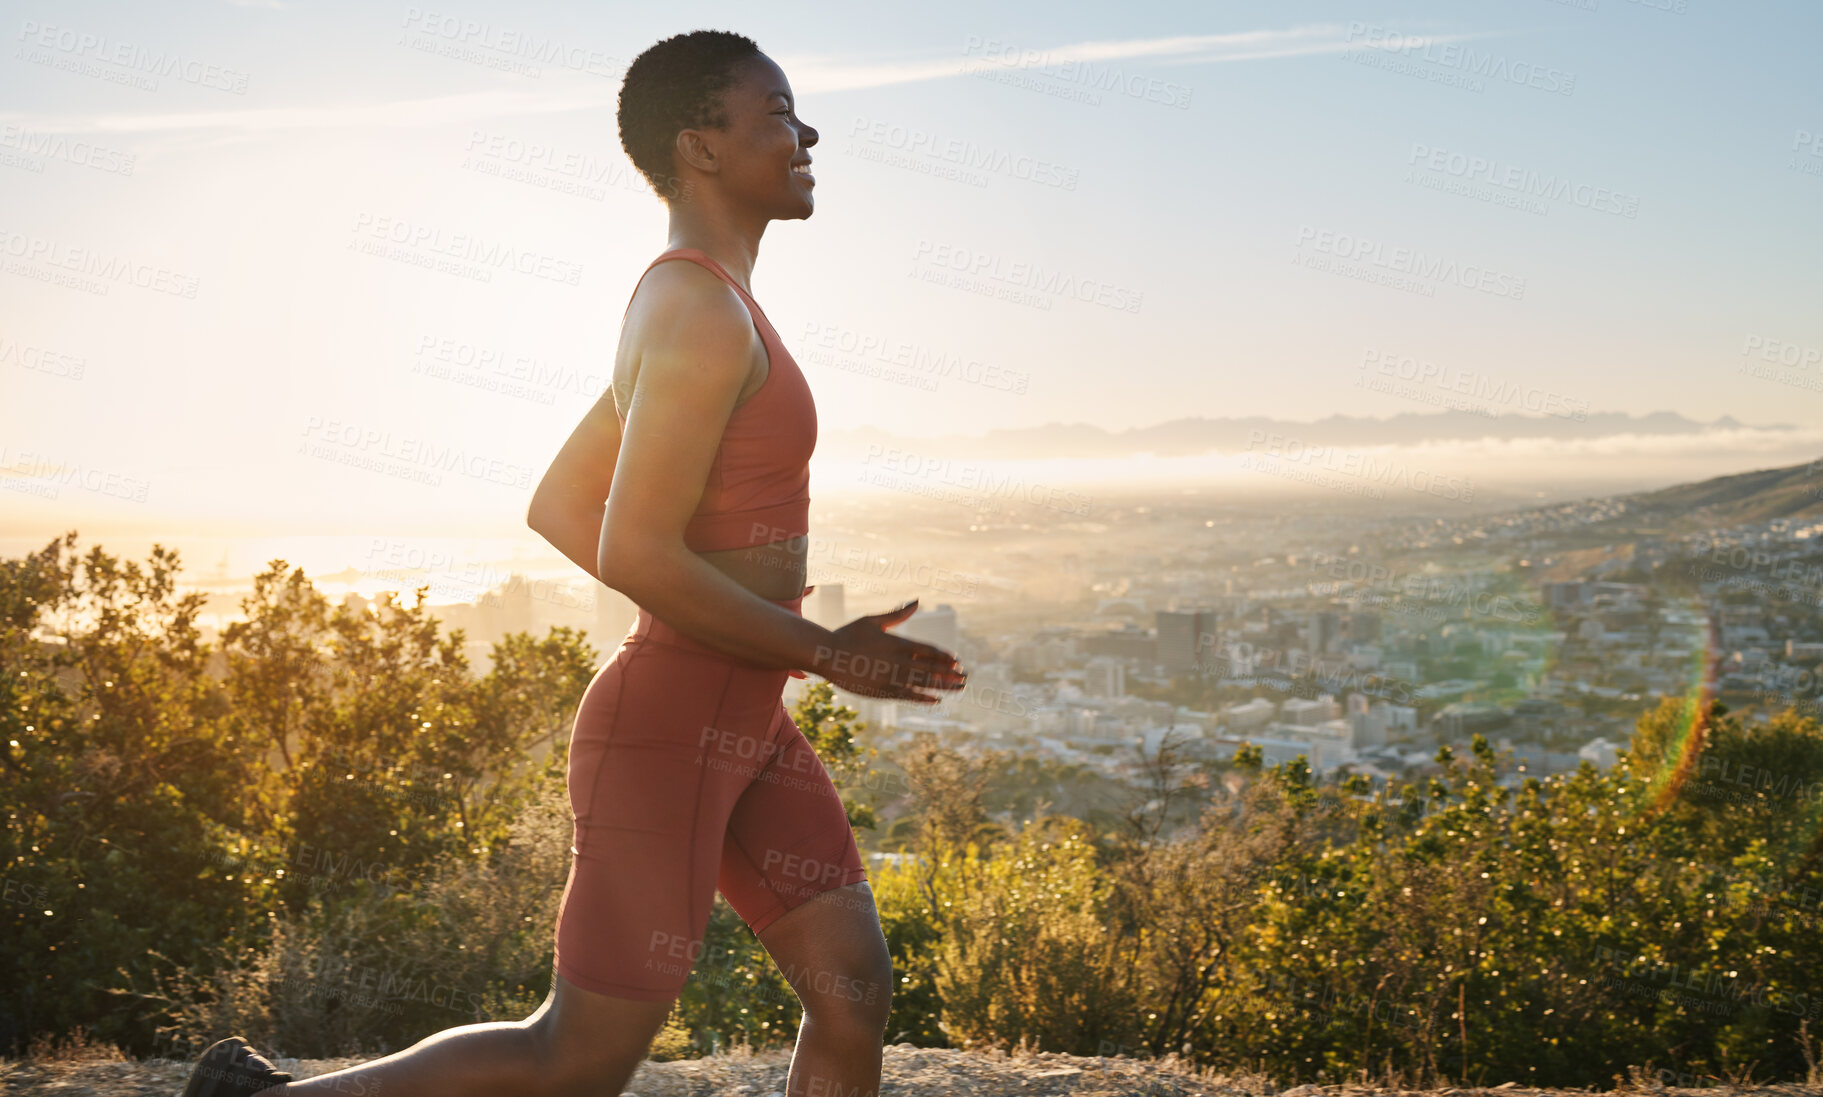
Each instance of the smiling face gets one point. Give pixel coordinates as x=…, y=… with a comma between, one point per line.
x=763, y=152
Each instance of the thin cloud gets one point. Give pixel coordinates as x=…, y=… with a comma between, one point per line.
x=1255, y=45
x=820, y=72
x=403, y=113
x=809, y=72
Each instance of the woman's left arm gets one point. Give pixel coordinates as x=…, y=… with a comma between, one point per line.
x=568, y=504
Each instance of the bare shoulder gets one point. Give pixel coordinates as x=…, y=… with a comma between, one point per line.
x=684, y=326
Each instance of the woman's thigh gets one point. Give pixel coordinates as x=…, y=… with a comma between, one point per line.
x=788, y=838
x=652, y=788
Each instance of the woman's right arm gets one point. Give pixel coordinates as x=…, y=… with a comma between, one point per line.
x=696, y=350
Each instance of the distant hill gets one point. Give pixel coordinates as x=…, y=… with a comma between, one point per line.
x=1758, y=496
x=1199, y=435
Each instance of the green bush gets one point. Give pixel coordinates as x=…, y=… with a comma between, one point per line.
x=186, y=823
x=1026, y=952
x=327, y=833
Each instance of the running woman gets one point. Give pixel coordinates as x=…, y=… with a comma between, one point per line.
x=686, y=773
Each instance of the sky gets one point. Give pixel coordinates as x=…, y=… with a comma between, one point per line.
x=242, y=283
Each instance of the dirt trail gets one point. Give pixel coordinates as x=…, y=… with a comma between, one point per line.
x=909, y=1072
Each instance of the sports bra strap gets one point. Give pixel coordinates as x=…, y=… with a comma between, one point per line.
x=701, y=259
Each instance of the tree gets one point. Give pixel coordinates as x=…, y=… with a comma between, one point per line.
x=829, y=727
x=120, y=781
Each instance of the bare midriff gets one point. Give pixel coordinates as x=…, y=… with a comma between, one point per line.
x=773, y=571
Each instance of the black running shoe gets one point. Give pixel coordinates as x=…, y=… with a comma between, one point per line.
x=231, y=1068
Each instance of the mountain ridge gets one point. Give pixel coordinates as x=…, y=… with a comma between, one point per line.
x=1761, y=495
x=1195, y=435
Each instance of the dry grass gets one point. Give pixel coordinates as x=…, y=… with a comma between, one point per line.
x=81, y=1071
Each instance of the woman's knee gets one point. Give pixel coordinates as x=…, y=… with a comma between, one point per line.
x=590, y=1044
x=855, y=993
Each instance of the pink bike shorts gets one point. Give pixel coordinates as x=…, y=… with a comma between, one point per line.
x=687, y=774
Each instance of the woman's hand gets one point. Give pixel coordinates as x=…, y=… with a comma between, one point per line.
x=865, y=659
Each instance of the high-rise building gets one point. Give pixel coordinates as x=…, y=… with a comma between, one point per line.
x=933, y=626
x=1128, y=642
x=1364, y=627
x=1043, y=653
x=1104, y=677
x=1256, y=713
x=1322, y=628
x=1309, y=712
x=827, y=605
x=1462, y=719
x=1186, y=639
x=1564, y=593
x=1367, y=728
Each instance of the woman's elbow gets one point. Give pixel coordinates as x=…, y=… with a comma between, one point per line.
x=623, y=563
x=610, y=563
x=538, y=509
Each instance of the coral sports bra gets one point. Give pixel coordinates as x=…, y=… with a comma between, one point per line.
x=758, y=489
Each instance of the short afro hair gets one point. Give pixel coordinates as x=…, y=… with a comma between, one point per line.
x=675, y=85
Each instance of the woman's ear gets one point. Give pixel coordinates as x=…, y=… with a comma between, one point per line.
x=692, y=149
